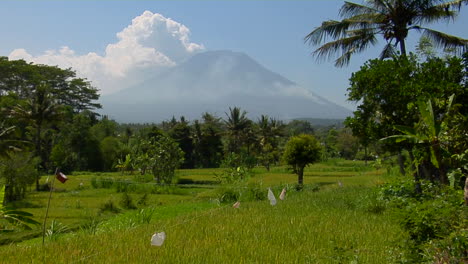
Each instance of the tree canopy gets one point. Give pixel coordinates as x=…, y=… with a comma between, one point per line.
x=392, y=19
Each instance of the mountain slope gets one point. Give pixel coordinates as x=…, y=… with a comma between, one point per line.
x=212, y=82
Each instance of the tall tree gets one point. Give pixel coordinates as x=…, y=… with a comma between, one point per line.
x=181, y=134
x=269, y=133
x=237, y=125
x=209, y=144
x=44, y=95
x=393, y=19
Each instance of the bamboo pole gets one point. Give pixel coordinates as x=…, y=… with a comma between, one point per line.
x=48, y=205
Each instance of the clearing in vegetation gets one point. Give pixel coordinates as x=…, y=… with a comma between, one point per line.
x=324, y=223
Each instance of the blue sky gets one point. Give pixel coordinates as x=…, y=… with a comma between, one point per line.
x=271, y=32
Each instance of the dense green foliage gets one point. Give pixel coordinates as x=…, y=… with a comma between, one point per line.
x=434, y=218
x=299, y=152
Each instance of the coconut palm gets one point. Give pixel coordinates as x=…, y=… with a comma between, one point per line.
x=393, y=19
x=237, y=124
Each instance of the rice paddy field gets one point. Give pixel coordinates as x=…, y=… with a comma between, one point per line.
x=324, y=223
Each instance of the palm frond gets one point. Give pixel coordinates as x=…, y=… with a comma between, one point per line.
x=389, y=51
x=332, y=28
x=358, y=42
x=350, y=9
x=446, y=41
x=455, y=4
x=436, y=13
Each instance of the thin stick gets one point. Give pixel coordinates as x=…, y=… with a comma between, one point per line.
x=47, y=211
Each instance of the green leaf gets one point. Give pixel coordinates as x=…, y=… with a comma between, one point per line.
x=427, y=116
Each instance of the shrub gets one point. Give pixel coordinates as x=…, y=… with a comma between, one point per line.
x=255, y=192
x=434, y=218
x=451, y=249
x=228, y=194
x=430, y=219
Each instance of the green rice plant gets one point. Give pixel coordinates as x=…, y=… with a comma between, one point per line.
x=143, y=200
x=124, y=186
x=106, y=183
x=109, y=206
x=126, y=201
x=307, y=227
x=144, y=216
x=91, y=226
x=55, y=229
x=94, y=182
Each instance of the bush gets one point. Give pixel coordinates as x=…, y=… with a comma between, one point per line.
x=451, y=249
x=434, y=218
x=228, y=194
x=401, y=192
x=255, y=192
x=430, y=219
x=17, y=172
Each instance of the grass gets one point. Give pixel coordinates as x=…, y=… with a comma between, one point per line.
x=332, y=225
x=311, y=227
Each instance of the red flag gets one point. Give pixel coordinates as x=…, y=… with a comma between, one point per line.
x=61, y=177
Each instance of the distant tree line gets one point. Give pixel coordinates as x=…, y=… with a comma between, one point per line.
x=49, y=120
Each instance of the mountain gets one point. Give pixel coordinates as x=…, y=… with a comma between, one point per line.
x=212, y=82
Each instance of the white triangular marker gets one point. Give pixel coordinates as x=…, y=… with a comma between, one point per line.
x=271, y=197
x=158, y=239
x=236, y=205
x=340, y=184
x=283, y=194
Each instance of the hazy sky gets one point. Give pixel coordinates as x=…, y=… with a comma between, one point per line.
x=113, y=42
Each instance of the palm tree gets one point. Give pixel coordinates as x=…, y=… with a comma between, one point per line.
x=39, y=110
x=393, y=19
x=237, y=124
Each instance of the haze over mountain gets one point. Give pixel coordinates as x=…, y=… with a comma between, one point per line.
x=212, y=82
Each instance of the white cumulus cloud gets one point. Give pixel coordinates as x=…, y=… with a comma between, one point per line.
x=149, y=44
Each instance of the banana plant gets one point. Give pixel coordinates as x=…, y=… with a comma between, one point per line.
x=429, y=132
x=15, y=217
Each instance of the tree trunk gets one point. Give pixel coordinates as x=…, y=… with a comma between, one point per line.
x=365, y=155
x=417, y=182
x=300, y=177
x=442, y=171
x=38, y=148
x=401, y=162
x=403, y=47
x=466, y=191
